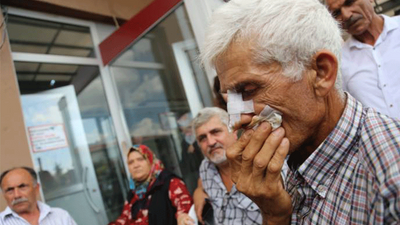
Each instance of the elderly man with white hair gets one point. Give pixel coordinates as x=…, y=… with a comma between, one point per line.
x=344, y=159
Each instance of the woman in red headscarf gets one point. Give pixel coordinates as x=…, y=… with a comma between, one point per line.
x=159, y=196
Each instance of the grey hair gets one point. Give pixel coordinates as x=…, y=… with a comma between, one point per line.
x=288, y=32
x=206, y=114
x=31, y=171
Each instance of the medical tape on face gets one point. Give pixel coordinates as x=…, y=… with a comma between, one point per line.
x=236, y=106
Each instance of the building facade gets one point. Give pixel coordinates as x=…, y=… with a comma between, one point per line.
x=83, y=80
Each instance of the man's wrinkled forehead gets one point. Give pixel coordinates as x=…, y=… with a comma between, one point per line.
x=333, y=5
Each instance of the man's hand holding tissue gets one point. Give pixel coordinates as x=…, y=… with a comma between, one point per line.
x=256, y=161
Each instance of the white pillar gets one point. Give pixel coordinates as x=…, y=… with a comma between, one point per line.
x=199, y=12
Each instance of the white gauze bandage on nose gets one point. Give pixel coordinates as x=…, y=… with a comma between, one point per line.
x=236, y=106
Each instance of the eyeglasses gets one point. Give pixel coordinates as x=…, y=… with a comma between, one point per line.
x=221, y=216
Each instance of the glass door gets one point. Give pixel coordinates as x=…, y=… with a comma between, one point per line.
x=160, y=87
x=73, y=141
x=61, y=152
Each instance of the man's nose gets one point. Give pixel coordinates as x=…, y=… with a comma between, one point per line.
x=211, y=141
x=17, y=193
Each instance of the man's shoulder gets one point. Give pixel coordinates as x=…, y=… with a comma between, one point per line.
x=379, y=140
x=206, y=165
x=54, y=211
x=377, y=126
x=5, y=212
x=59, y=211
x=395, y=19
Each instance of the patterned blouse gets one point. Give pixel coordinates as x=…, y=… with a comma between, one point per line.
x=178, y=194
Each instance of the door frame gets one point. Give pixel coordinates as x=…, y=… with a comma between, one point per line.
x=108, y=84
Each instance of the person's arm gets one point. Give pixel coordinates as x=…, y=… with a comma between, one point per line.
x=181, y=200
x=199, y=198
x=256, y=161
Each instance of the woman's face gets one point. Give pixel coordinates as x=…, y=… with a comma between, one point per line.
x=139, y=167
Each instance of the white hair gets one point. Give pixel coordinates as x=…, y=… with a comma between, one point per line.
x=288, y=32
x=206, y=114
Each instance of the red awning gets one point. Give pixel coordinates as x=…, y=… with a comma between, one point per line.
x=134, y=28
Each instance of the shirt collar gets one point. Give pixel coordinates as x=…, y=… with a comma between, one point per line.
x=6, y=212
x=43, y=209
x=323, y=163
x=389, y=24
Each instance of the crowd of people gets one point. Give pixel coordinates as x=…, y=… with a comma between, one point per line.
x=335, y=158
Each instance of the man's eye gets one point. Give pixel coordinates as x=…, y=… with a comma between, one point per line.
x=248, y=92
x=336, y=13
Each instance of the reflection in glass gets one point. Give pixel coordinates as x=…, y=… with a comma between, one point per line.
x=48, y=132
x=65, y=119
x=145, y=50
x=153, y=97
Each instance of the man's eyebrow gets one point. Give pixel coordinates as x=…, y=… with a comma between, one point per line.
x=18, y=186
x=217, y=129
x=200, y=136
x=10, y=189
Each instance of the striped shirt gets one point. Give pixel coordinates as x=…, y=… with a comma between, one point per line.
x=48, y=216
x=353, y=177
x=229, y=207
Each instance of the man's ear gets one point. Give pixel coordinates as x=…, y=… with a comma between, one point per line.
x=37, y=189
x=326, y=66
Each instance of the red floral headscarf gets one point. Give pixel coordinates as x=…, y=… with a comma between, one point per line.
x=156, y=165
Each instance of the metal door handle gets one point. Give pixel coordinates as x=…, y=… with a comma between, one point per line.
x=85, y=190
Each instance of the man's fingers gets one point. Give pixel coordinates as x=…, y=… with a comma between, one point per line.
x=254, y=146
x=265, y=155
x=234, y=154
x=276, y=163
x=199, y=210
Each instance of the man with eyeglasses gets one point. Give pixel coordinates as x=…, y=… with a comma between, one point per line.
x=20, y=189
x=229, y=205
x=370, y=57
